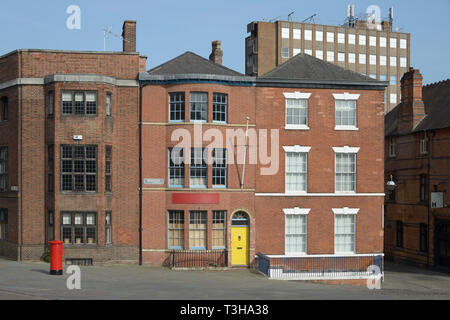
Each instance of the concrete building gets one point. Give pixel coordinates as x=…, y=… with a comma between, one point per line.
x=374, y=50
x=417, y=155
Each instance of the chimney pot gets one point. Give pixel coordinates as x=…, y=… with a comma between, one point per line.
x=217, y=53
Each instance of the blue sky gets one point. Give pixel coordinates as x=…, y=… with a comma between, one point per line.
x=167, y=28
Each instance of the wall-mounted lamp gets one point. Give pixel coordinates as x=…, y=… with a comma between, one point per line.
x=391, y=184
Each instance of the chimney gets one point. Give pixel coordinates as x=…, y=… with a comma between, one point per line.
x=412, y=109
x=386, y=26
x=129, y=36
x=216, y=54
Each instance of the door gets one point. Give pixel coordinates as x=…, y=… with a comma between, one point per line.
x=239, y=246
x=442, y=232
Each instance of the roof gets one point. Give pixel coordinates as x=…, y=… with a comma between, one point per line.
x=191, y=63
x=436, y=99
x=304, y=66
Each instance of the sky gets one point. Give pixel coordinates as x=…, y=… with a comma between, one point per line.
x=168, y=28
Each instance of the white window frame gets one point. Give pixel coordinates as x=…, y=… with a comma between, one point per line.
x=319, y=54
x=362, y=40
x=372, y=41
x=362, y=58
x=319, y=36
x=347, y=97
x=403, y=62
x=341, y=37
x=383, y=60
x=296, y=51
x=403, y=43
x=308, y=51
x=296, y=33
x=308, y=34
x=393, y=61
x=285, y=33
x=285, y=50
x=351, y=38
x=351, y=58
x=393, y=98
x=346, y=211
x=330, y=56
x=373, y=59
x=346, y=149
x=393, y=42
x=330, y=37
x=296, y=211
x=300, y=96
x=341, y=57
x=424, y=142
x=301, y=150
x=383, y=42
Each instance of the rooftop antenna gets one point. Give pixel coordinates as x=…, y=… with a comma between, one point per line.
x=391, y=15
x=311, y=19
x=351, y=19
x=290, y=16
x=106, y=33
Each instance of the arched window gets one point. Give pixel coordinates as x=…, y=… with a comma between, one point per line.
x=240, y=218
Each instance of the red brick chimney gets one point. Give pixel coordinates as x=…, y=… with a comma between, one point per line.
x=412, y=109
x=129, y=36
x=216, y=54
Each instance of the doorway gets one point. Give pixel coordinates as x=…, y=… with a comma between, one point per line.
x=240, y=223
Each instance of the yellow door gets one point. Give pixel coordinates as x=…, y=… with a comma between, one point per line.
x=239, y=246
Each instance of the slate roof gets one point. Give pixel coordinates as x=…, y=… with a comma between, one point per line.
x=191, y=63
x=306, y=67
x=436, y=98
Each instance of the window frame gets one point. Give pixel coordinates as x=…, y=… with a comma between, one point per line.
x=296, y=96
x=223, y=168
x=297, y=213
x=51, y=103
x=108, y=227
x=108, y=165
x=5, y=109
x=341, y=213
x=3, y=224
x=424, y=143
x=4, y=176
x=180, y=167
x=176, y=104
x=191, y=102
x=399, y=234
x=73, y=173
x=346, y=151
x=222, y=217
x=202, y=219
x=202, y=167
x=302, y=152
x=392, y=147
x=346, y=97
x=83, y=226
x=50, y=168
x=178, y=219
x=218, y=104
x=423, y=238
x=73, y=93
x=109, y=109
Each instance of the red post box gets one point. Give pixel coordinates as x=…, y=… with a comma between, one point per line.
x=56, y=256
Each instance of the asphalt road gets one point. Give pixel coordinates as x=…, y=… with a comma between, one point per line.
x=32, y=281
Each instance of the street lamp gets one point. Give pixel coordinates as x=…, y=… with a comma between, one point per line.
x=391, y=184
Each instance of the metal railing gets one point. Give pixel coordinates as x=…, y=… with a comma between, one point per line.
x=317, y=267
x=197, y=259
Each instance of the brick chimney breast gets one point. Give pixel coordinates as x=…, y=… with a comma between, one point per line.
x=412, y=109
x=129, y=36
x=216, y=54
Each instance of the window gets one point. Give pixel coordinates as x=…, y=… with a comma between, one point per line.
x=219, y=168
x=403, y=43
x=393, y=43
x=51, y=103
x=176, y=107
x=296, y=51
x=345, y=113
x=4, y=169
x=220, y=106
x=108, y=104
x=176, y=229
x=297, y=34
x=423, y=188
x=330, y=36
x=373, y=59
x=285, y=33
x=198, y=168
x=344, y=233
x=393, y=80
x=79, y=227
x=399, y=242
x=308, y=51
x=296, y=172
x=176, y=167
x=330, y=56
x=295, y=234
x=79, y=103
x=308, y=34
x=423, y=238
x=285, y=53
x=392, y=147
x=3, y=224
x=351, y=58
x=372, y=41
x=319, y=36
x=351, y=39
x=199, y=106
x=393, y=61
x=423, y=142
x=362, y=40
x=319, y=54
x=362, y=58
x=50, y=168
x=108, y=168
x=345, y=172
x=382, y=77
x=78, y=168
x=197, y=229
x=108, y=227
x=50, y=226
x=341, y=57
x=341, y=37
x=382, y=60
x=218, y=229
x=393, y=98
x=403, y=62
x=4, y=109
x=383, y=42
x=296, y=112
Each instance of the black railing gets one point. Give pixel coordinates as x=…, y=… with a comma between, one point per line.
x=196, y=259
x=320, y=266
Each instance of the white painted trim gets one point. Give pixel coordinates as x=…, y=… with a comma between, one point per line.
x=325, y=255
x=345, y=210
x=21, y=81
x=296, y=95
x=346, y=149
x=345, y=96
x=296, y=210
x=346, y=128
x=296, y=127
x=298, y=194
x=297, y=149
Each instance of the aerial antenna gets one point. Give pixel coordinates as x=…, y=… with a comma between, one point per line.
x=391, y=15
x=106, y=33
x=310, y=19
x=290, y=16
x=351, y=19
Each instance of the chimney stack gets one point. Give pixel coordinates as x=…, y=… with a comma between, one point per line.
x=412, y=109
x=216, y=54
x=129, y=36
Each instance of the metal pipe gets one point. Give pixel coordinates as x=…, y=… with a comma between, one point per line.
x=245, y=153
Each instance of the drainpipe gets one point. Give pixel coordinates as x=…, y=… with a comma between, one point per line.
x=428, y=196
x=19, y=158
x=140, y=175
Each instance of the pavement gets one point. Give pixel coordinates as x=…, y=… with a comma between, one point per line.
x=31, y=280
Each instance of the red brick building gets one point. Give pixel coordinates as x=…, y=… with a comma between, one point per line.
x=418, y=158
x=69, y=141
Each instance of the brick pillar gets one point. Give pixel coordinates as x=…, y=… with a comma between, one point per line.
x=216, y=54
x=412, y=108
x=129, y=36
